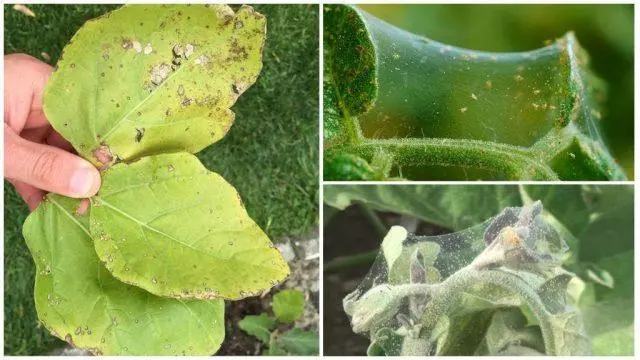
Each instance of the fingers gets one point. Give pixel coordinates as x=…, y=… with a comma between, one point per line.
x=55, y=139
x=31, y=195
x=24, y=80
x=48, y=168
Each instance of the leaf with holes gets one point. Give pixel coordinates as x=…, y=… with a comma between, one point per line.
x=145, y=79
x=79, y=301
x=170, y=226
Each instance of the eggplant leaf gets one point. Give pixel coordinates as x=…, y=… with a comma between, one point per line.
x=168, y=225
x=148, y=78
x=79, y=301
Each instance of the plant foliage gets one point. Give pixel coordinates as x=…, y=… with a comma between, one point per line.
x=288, y=306
x=400, y=105
x=137, y=91
x=583, y=291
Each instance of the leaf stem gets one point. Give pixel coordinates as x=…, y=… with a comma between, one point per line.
x=515, y=162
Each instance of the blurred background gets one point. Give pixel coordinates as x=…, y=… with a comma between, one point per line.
x=605, y=31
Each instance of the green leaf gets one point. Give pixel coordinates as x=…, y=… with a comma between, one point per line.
x=348, y=167
x=79, y=301
x=259, y=326
x=146, y=79
x=508, y=329
x=168, y=225
x=454, y=207
x=385, y=342
x=274, y=349
x=610, y=326
x=465, y=333
x=442, y=112
x=400, y=271
x=288, y=305
x=300, y=342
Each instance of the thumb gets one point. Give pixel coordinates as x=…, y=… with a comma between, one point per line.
x=48, y=168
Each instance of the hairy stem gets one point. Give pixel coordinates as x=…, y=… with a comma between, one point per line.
x=442, y=295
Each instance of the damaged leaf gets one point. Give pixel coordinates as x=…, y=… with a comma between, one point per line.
x=173, y=70
x=79, y=301
x=182, y=231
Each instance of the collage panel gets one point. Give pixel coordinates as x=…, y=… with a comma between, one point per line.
x=202, y=238
x=473, y=270
x=478, y=92
x=343, y=179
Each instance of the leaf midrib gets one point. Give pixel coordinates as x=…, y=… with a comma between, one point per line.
x=125, y=116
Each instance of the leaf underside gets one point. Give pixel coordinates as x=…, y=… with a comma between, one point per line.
x=79, y=301
x=442, y=112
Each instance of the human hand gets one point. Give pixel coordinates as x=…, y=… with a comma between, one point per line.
x=37, y=159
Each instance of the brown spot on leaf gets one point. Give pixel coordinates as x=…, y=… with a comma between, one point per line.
x=103, y=154
x=139, y=134
x=159, y=73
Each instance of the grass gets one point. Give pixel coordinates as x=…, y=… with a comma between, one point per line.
x=270, y=155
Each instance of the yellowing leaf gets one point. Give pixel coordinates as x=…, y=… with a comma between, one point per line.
x=181, y=231
x=79, y=301
x=148, y=78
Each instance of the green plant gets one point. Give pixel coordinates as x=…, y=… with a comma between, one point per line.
x=288, y=306
x=549, y=285
x=138, y=90
x=400, y=105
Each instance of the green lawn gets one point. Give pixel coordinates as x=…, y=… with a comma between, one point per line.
x=270, y=155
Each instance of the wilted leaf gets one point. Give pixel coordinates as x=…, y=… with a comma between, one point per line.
x=148, y=78
x=259, y=326
x=168, y=225
x=79, y=301
x=288, y=305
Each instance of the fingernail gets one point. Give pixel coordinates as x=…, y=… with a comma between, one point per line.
x=82, y=182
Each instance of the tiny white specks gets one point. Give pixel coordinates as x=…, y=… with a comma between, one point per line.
x=137, y=46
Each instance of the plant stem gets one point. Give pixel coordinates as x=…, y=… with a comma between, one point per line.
x=515, y=162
